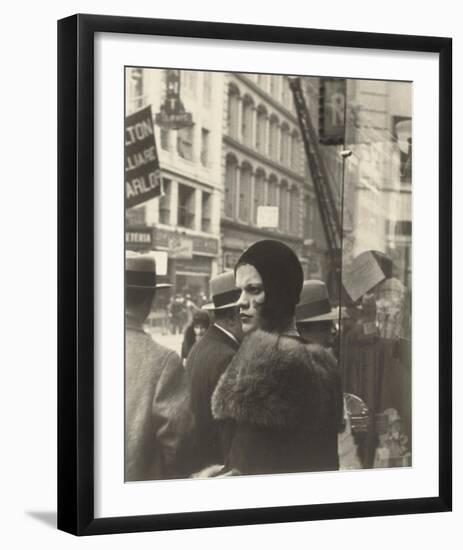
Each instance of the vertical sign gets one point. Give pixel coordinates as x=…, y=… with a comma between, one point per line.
x=332, y=103
x=402, y=128
x=172, y=115
x=142, y=174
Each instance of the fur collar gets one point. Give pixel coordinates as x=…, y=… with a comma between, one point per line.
x=274, y=381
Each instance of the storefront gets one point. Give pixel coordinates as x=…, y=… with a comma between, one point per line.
x=192, y=261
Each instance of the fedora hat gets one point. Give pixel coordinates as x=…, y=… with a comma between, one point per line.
x=140, y=271
x=224, y=292
x=314, y=302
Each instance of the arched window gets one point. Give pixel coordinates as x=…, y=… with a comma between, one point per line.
x=261, y=133
x=284, y=206
x=259, y=191
x=272, y=191
x=247, y=121
x=295, y=151
x=295, y=210
x=273, y=138
x=284, y=146
x=231, y=168
x=245, y=193
x=233, y=110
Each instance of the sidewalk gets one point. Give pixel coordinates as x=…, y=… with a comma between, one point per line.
x=172, y=341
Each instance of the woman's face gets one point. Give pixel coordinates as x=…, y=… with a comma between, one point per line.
x=249, y=281
x=200, y=331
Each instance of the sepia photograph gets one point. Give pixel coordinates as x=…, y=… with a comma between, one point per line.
x=268, y=274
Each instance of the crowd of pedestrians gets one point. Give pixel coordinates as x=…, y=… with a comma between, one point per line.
x=259, y=387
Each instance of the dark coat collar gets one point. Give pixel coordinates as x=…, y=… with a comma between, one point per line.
x=215, y=333
x=275, y=381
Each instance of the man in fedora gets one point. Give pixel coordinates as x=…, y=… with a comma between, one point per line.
x=315, y=319
x=207, y=361
x=158, y=419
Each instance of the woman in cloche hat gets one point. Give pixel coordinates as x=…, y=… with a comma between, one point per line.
x=280, y=396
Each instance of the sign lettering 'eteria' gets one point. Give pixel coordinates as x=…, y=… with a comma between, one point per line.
x=142, y=174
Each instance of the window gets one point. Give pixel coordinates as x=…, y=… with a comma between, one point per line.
x=230, y=186
x=247, y=121
x=284, y=206
x=136, y=89
x=308, y=217
x=233, y=111
x=165, y=139
x=136, y=215
x=272, y=191
x=245, y=193
x=204, y=147
x=164, y=202
x=186, y=206
x=273, y=138
x=185, y=143
x=259, y=192
x=295, y=151
x=403, y=227
x=261, y=133
x=189, y=80
x=294, y=212
x=207, y=88
x=206, y=212
x=284, y=146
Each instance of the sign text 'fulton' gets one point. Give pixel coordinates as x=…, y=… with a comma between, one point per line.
x=142, y=174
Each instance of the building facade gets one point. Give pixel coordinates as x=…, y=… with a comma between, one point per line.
x=262, y=165
x=185, y=219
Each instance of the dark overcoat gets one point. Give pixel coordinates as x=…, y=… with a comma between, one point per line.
x=284, y=399
x=158, y=419
x=206, y=363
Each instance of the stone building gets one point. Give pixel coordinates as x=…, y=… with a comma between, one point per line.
x=262, y=163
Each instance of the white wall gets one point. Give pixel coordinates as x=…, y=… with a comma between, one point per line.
x=28, y=356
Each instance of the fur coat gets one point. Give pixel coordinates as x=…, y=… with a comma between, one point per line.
x=284, y=399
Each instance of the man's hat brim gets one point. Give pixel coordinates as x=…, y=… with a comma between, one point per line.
x=211, y=307
x=147, y=287
x=332, y=316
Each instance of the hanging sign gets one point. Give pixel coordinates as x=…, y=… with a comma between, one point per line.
x=142, y=174
x=332, y=102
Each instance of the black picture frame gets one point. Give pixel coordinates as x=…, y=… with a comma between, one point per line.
x=76, y=273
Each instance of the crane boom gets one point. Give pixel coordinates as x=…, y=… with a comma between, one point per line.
x=329, y=214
